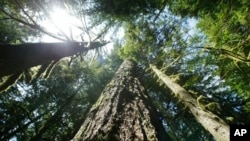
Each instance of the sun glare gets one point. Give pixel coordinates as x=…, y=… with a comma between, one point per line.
x=63, y=24
x=66, y=26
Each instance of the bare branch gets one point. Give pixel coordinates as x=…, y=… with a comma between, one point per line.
x=32, y=26
x=25, y=13
x=49, y=17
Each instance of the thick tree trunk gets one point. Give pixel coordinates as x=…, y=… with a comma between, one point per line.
x=17, y=58
x=211, y=122
x=123, y=112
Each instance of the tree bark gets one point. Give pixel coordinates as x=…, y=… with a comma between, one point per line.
x=123, y=112
x=211, y=122
x=16, y=58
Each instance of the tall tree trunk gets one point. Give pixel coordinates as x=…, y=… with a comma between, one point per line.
x=123, y=112
x=211, y=122
x=17, y=58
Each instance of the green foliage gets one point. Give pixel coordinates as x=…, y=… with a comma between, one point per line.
x=45, y=69
x=125, y=9
x=206, y=104
x=226, y=25
x=12, y=21
x=175, y=51
x=8, y=81
x=42, y=71
x=194, y=7
x=154, y=38
x=39, y=109
x=179, y=123
x=15, y=32
x=202, y=77
x=214, y=66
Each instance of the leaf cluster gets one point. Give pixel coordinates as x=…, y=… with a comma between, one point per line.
x=124, y=9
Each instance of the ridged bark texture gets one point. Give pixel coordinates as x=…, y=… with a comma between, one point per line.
x=211, y=122
x=123, y=112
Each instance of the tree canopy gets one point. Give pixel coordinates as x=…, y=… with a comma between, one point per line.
x=201, y=45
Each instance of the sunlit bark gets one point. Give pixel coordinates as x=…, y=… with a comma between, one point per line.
x=211, y=122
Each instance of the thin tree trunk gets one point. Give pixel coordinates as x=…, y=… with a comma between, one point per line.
x=52, y=120
x=17, y=58
x=56, y=116
x=211, y=122
x=123, y=112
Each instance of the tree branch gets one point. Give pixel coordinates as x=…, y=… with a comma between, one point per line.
x=32, y=26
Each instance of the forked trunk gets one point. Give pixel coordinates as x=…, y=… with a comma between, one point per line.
x=123, y=112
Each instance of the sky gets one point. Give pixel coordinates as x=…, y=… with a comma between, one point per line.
x=61, y=21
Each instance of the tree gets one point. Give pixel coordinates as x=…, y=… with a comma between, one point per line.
x=125, y=9
x=226, y=26
x=214, y=124
x=153, y=35
x=16, y=60
x=35, y=111
x=123, y=111
x=55, y=106
x=24, y=18
x=152, y=41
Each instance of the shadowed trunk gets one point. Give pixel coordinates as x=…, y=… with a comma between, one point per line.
x=211, y=122
x=123, y=112
x=17, y=58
